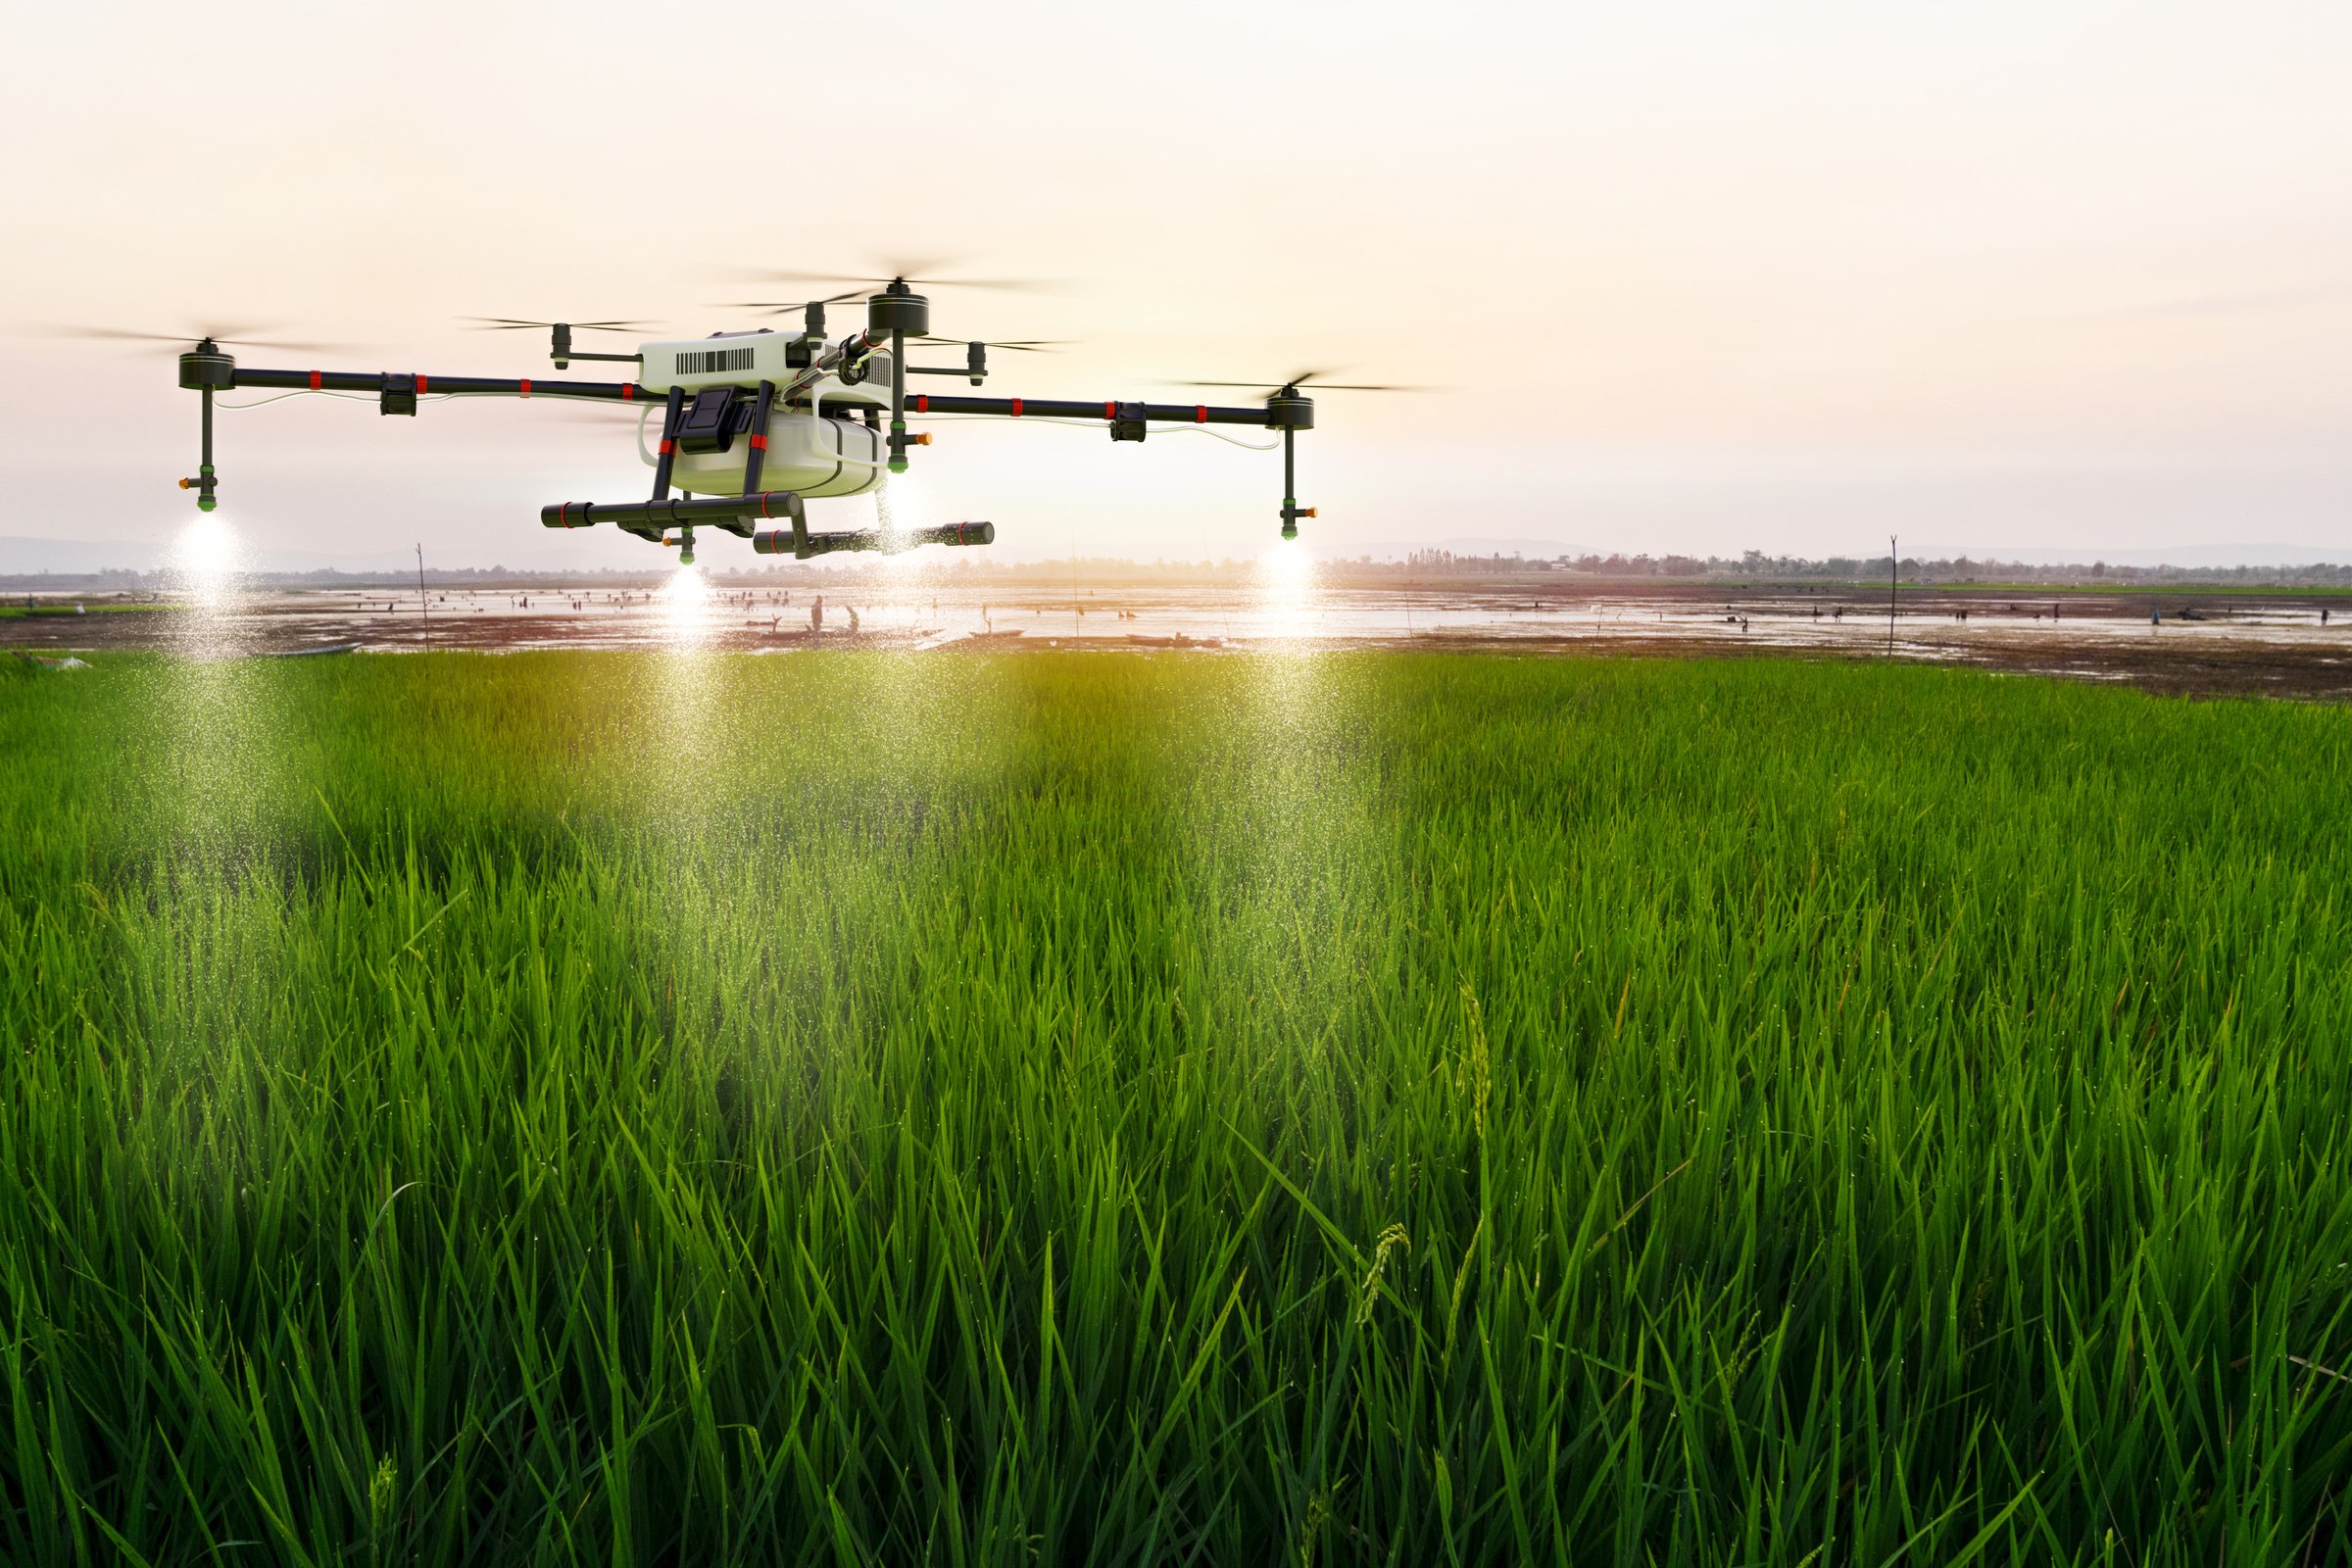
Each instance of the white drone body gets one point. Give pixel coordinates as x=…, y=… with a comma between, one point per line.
x=824, y=450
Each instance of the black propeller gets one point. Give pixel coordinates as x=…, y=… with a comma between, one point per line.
x=242, y=336
x=925, y=275
x=1033, y=345
x=1309, y=379
x=508, y=323
x=787, y=306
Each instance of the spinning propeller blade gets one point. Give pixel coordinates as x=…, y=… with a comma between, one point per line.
x=1308, y=381
x=928, y=274
x=786, y=308
x=242, y=336
x=1036, y=345
x=508, y=323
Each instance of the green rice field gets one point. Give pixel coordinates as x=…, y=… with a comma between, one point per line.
x=1086, y=1108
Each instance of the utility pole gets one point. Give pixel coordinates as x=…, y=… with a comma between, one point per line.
x=1894, y=568
x=425, y=606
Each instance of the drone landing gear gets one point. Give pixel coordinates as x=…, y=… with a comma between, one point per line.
x=669, y=442
x=755, y=458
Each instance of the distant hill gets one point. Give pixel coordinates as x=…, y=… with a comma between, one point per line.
x=24, y=557
x=21, y=555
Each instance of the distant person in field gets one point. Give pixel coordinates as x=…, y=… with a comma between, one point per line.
x=816, y=616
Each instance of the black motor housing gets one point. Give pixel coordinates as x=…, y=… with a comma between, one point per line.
x=897, y=311
x=1288, y=410
x=207, y=367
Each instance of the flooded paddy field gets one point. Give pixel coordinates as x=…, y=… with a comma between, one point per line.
x=2285, y=643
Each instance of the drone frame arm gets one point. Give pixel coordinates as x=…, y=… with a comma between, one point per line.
x=1286, y=411
x=1109, y=410
x=460, y=386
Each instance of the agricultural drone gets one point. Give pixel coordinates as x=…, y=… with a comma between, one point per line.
x=756, y=423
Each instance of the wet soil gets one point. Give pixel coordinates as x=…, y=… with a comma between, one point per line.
x=2174, y=642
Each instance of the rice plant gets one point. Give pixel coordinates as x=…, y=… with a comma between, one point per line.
x=1090, y=1108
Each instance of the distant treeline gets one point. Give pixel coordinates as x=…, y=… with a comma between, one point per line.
x=1848, y=569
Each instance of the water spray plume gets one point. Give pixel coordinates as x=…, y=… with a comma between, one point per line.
x=688, y=606
x=1285, y=575
x=206, y=559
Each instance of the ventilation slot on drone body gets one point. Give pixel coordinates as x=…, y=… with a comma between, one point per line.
x=708, y=362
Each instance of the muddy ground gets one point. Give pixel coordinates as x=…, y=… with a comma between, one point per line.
x=2173, y=642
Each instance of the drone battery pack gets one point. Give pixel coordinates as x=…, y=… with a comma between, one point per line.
x=709, y=423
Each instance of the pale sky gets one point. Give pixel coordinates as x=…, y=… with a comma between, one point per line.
x=1695, y=277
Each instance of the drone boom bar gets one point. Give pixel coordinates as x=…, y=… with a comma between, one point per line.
x=736, y=514
x=1109, y=411
x=464, y=386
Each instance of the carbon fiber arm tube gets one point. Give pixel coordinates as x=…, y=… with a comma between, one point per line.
x=703, y=510
x=464, y=386
x=1068, y=409
x=801, y=544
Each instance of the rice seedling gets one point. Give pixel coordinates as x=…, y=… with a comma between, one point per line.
x=1083, y=1108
